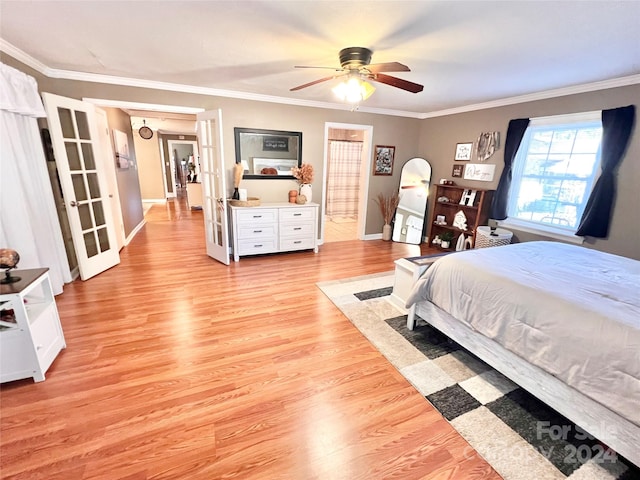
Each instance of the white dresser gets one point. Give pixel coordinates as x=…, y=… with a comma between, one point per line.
x=274, y=227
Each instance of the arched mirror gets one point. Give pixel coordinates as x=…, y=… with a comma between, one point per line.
x=415, y=179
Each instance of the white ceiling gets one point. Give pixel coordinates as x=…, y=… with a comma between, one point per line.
x=465, y=53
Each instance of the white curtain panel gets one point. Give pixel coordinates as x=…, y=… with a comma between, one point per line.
x=28, y=218
x=343, y=178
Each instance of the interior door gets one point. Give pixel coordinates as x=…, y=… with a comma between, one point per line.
x=77, y=149
x=214, y=185
x=110, y=171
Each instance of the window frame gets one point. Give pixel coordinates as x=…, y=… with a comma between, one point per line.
x=550, y=230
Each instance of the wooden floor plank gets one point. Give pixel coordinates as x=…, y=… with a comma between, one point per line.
x=180, y=367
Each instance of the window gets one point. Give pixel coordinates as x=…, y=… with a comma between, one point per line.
x=554, y=171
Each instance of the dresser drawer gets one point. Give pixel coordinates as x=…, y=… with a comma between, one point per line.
x=297, y=214
x=292, y=243
x=250, y=217
x=302, y=230
x=253, y=247
x=258, y=231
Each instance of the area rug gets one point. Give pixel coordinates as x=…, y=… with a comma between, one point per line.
x=518, y=435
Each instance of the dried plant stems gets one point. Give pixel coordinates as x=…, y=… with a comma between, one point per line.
x=237, y=174
x=388, y=205
x=304, y=174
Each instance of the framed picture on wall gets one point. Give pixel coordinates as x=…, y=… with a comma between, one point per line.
x=463, y=151
x=383, y=161
x=121, y=144
x=457, y=170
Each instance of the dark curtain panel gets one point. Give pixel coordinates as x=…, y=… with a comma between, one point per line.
x=515, y=132
x=616, y=132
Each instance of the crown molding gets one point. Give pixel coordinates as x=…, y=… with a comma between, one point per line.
x=544, y=95
x=28, y=60
x=153, y=107
x=23, y=57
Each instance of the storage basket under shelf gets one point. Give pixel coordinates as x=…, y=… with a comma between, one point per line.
x=484, y=238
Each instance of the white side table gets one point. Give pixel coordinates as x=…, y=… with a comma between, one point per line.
x=30, y=332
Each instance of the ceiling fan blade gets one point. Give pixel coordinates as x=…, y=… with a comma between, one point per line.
x=337, y=69
x=325, y=79
x=397, y=82
x=387, y=67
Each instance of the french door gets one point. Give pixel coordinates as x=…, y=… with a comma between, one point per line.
x=214, y=185
x=81, y=169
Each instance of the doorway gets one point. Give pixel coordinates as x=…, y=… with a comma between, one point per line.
x=181, y=154
x=346, y=181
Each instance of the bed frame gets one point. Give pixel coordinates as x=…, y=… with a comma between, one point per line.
x=607, y=426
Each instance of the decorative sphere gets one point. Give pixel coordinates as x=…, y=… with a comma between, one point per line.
x=8, y=258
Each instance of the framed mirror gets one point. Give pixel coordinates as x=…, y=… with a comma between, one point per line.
x=268, y=154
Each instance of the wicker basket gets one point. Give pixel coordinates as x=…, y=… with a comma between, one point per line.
x=249, y=202
x=484, y=238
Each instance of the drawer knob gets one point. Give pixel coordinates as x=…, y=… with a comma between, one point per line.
x=257, y=231
x=297, y=228
x=297, y=214
x=298, y=241
x=257, y=246
x=257, y=216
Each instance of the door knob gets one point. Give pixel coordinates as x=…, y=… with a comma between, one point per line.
x=73, y=203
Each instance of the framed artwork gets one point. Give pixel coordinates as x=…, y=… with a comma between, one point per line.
x=383, y=161
x=463, y=151
x=479, y=171
x=457, y=170
x=121, y=144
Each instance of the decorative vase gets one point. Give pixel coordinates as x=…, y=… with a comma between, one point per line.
x=305, y=189
x=293, y=195
x=444, y=244
x=386, y=232
x=236, y=194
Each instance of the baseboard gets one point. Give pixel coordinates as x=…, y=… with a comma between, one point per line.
x=373, y=236
x=133, y=232
x=154, y=200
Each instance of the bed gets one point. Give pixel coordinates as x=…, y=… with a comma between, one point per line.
x=562, y=321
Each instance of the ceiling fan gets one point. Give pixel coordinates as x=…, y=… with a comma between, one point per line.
x=355, y=63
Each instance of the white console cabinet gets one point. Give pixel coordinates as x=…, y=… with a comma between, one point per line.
x=274, y=227
x=30, y=332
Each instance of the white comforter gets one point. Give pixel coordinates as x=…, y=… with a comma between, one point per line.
x=572, y=311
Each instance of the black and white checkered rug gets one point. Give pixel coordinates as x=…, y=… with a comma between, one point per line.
x=517, y=434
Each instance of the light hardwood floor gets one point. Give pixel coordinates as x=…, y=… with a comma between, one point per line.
x=178, y=367
x=340, y=230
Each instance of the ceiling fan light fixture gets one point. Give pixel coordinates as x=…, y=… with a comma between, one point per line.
x=353, y=90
